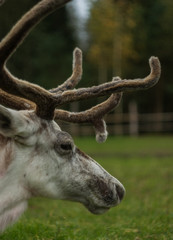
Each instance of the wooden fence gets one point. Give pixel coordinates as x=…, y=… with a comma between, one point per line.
x=131, y=123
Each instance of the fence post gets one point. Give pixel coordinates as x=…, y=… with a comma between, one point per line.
x=133, y=119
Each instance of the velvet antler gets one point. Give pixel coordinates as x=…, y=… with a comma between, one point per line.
x=19, y=94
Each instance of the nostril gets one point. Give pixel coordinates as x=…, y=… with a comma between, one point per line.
x=120, y=192
x=109, y=197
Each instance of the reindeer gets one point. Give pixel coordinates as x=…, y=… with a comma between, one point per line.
x=37, y=158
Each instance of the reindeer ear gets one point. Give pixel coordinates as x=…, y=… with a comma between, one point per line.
x=11, y=121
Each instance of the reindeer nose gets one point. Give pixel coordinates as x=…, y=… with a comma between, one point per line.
x=120, y=191
x=114, y=195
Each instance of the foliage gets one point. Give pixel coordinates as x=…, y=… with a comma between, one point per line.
x=106, y=26
x=144, y=165
x=123, y=35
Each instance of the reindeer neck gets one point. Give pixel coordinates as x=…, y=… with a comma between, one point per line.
x=13, y=197
x=6, y=154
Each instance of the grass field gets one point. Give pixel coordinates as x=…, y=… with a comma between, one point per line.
x=145, y=167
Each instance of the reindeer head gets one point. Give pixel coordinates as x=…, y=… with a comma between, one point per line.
x=50, y=165
x=42, y=159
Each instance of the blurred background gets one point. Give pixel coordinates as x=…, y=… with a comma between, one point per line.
x=117, y=38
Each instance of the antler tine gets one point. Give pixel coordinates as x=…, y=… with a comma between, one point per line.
x=94, y=115
x=114, y=86
x=89, y=115
x=15, y=102
x=45, y=104
x=20, y=104
x=74, y=79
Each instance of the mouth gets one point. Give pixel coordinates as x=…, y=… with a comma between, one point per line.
x=100, y=209
x=97, y=210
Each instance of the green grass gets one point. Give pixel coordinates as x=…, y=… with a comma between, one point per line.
x=144, y=166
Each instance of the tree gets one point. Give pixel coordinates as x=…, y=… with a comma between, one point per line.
x=111, y=39
x=124, y=34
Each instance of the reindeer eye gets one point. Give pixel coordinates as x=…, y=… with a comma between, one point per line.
x=66, y=146
x=64, y=143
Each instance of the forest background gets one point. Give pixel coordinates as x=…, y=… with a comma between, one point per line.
x=117, y=39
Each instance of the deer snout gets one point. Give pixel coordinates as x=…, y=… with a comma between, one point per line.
x=106, y=195
x=114, y=194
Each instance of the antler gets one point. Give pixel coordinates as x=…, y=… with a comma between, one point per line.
x=42, y=98
x=94, y=116
x=71, y=82
x=46, y=101
x=22, y=28
x=114, y=86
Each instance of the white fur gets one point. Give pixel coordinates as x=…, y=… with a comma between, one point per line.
x=45, y=162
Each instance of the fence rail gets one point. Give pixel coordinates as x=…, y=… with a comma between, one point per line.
x=131, y=123
x=142, y=123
